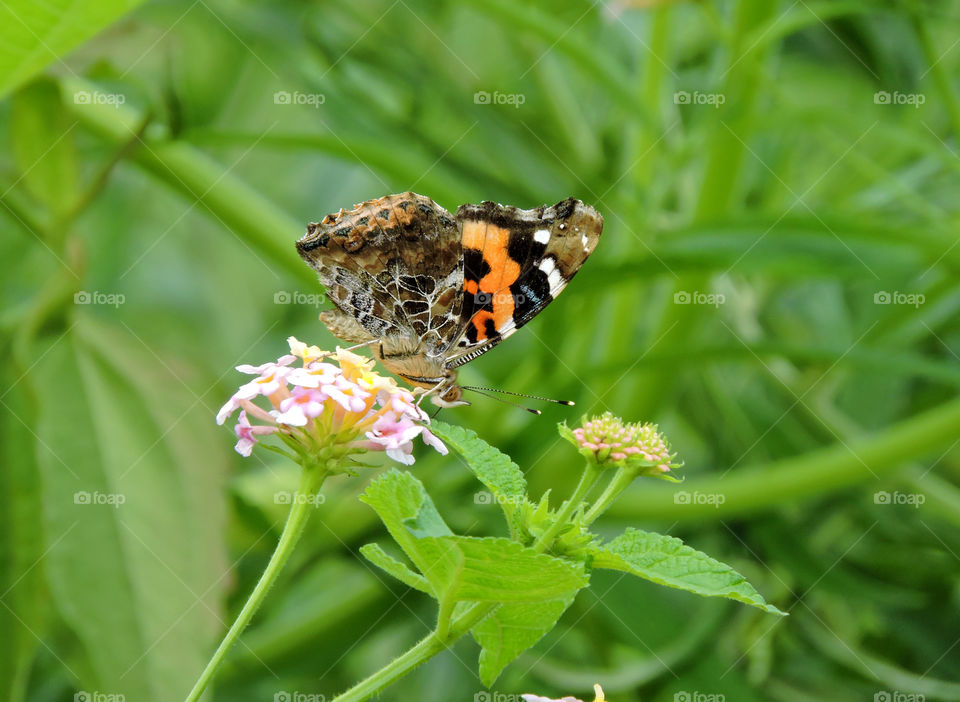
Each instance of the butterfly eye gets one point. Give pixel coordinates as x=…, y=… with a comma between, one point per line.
x=452, y=395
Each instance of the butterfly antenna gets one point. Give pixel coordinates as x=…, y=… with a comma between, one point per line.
x=479, y=391
x=519, y=394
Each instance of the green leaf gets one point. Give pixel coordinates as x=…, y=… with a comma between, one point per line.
x=390, y=565
x=461, y=567
x=489, y=569
x=43, y=145
x=399, y=499
x=133, y=515
x=501, y=476
x=512, y=629
x=666, y=560
x=22, y=590
x=34, y=34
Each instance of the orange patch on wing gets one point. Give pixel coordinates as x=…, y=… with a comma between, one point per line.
x=504, y=271
x=473, y=234
x=480, y=322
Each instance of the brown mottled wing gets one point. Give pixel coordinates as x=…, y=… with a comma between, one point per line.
x=392, y=267
x=515, y=263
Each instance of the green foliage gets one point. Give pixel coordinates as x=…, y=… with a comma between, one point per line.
x=380, y=558
x=527, y=589
x=498, y=473
x=21, y=543
x=124, y=516
x=462, y=568
x=798, y=399
x=666, y=560
x=513, y=628
x=44, y=146
x=36, y=34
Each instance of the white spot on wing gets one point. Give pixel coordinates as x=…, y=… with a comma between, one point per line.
x=541, y=236
x=554, y=279
x=584, y=240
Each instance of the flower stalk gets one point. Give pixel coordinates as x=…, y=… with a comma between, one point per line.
x=311, y=478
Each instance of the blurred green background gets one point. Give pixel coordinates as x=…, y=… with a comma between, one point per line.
x=777, y=286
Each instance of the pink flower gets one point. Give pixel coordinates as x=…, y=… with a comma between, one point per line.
x=608, y=440
x=394, y=434
x=247, y=434
x=303, y=405
x=323, y=408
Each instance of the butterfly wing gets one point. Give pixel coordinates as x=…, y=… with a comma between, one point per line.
x=515, y=263
x=393, y=268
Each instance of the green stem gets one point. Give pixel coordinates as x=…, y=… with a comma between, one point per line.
x=587, y=480
x=311, y=478
x=618, y=484
x=393, y=671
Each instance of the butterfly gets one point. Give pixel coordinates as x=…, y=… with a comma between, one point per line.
x=438, y=290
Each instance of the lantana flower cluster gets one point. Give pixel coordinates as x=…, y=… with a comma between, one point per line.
x=330, y=401
x=536, y=698
x=607, y=440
